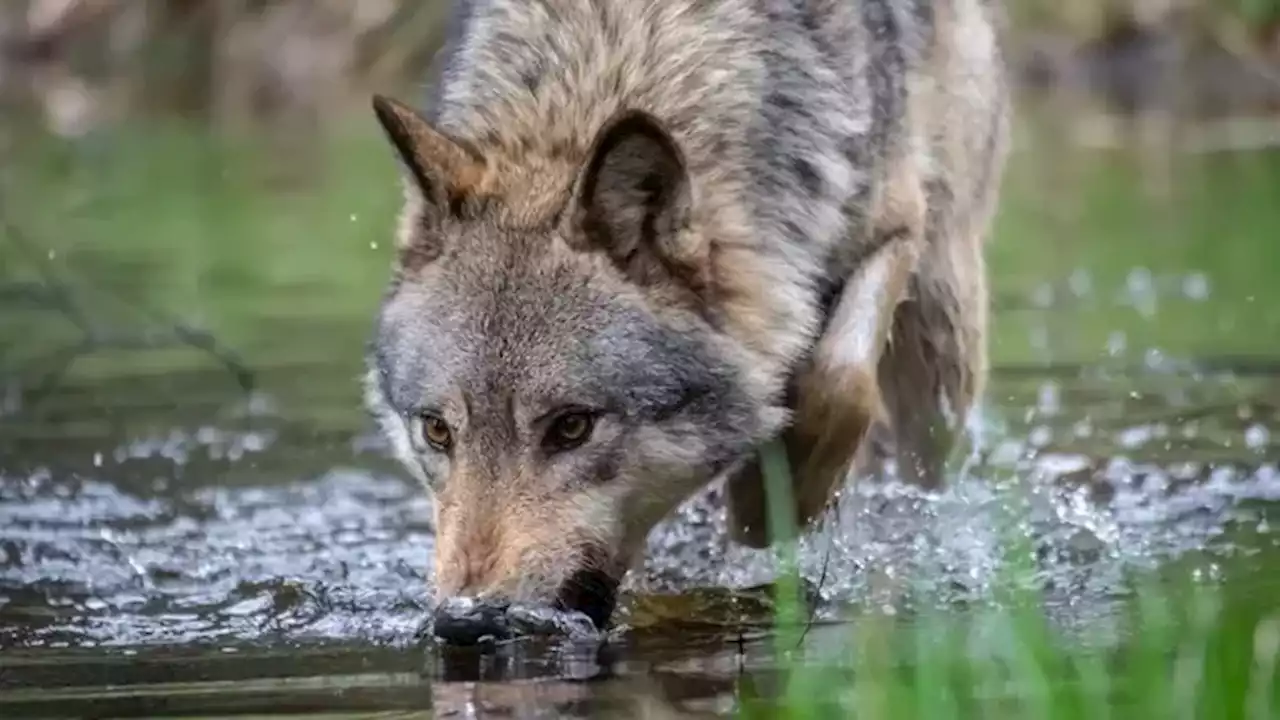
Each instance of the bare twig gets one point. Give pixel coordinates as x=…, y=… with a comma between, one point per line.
x=55, y=294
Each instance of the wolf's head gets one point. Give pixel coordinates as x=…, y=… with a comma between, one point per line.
x=547, y=360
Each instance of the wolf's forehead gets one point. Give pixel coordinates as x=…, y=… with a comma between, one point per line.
x=526, y=300
x=534, y=338
x=497, y=320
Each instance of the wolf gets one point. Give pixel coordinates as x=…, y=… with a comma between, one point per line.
x=641, y=239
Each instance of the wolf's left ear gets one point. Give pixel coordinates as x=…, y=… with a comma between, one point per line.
x=443, y=169
x=633, y=199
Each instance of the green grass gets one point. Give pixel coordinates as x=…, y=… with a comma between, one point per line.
x=1196, y=657
x=1196, y=653
x=1180, y=649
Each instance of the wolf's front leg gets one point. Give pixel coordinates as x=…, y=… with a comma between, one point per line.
x=837, y=397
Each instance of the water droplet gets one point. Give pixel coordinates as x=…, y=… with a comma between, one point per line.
x=1048, y=400
x=1042, y=297
x=1134, y=437
x=1083, y=428
x=1116, y=343
x=1038, y=337
x=1196, y=286
x=1040, y=436
x=1257, y=437
x=1080, y=282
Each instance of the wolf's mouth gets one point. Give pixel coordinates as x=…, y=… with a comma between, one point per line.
x=468, y=621
x=591, y=592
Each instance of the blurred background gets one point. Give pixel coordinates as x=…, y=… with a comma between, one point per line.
x=215, y=163
x=195, y=208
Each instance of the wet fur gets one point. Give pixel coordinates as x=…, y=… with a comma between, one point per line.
x=711, y=222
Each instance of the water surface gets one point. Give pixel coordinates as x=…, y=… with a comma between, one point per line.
x=191, y=526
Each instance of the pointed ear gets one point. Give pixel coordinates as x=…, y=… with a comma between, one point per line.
x=632, y=199
x=443, y=169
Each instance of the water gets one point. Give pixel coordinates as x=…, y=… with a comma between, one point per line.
x=194, y=532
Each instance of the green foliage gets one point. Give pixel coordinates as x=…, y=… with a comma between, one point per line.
x=1256, y=12
x=1185, y=651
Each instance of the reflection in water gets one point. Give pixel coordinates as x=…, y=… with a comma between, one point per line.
x=635, y=678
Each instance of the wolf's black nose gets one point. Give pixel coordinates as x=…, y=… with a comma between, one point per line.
x=466, y=621
x=592, y=593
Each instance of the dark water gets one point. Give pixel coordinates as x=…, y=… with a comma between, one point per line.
x=187, y=534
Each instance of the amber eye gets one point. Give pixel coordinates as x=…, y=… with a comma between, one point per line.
x=436, y=432
x=569, y=430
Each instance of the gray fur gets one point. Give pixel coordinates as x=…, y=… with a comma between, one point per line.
x=653, y=210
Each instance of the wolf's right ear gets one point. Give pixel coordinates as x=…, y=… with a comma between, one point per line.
x=633, y=200
x=443, y=169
